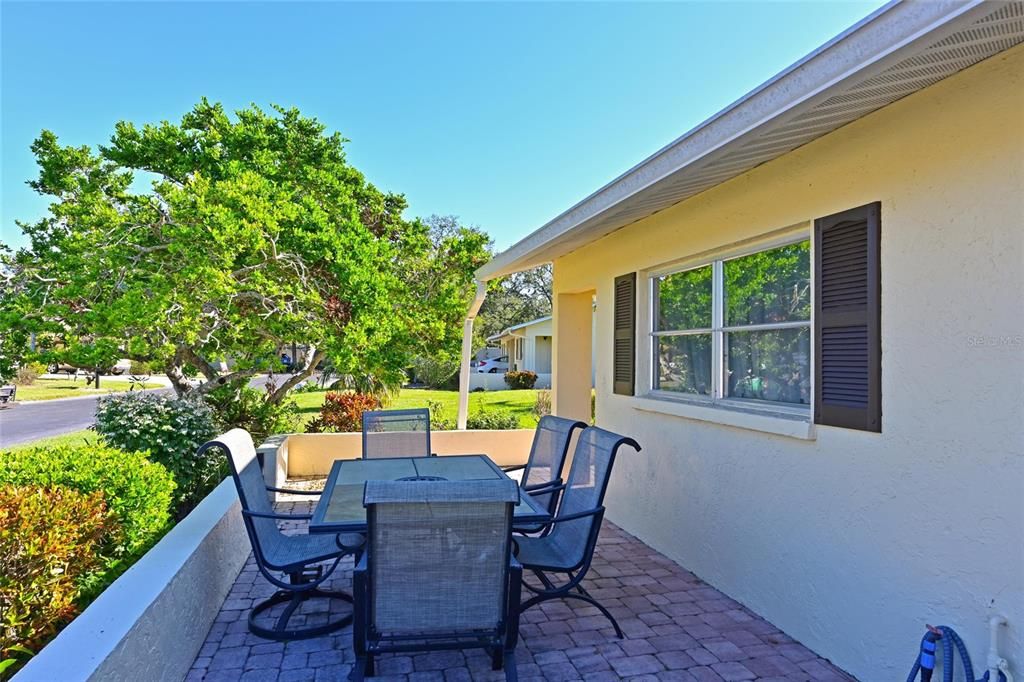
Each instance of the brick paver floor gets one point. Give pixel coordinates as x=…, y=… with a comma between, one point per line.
x=676, y=628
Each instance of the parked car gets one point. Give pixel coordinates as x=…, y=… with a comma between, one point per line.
x=122, y=366
x=493, y=365
x=66, y=368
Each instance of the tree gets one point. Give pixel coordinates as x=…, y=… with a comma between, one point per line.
x=520, y=297
x=254, y=233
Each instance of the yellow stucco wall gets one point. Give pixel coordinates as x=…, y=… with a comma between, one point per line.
x=852, y=541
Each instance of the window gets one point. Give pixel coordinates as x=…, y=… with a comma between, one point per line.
x=736, y=328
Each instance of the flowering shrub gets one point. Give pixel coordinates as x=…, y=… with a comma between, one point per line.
x=520, y=380
x=343, y=412
x=49, y=545
x=170, y=429
x=248, y=408
x=138, y=492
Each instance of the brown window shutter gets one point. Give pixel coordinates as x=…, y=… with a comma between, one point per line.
x=624, y=361
x=847, y=312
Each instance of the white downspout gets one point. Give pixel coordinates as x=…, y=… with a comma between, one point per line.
x=996, y=663
x=467, y=353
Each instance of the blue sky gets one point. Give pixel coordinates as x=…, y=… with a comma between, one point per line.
x=503, y=114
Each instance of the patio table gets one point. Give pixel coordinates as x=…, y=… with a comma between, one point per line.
x=340, y=509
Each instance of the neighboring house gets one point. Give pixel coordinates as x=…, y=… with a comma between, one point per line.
x=810, y=315
x=527, y=345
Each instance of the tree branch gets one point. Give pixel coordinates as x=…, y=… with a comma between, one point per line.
x=219, y=381
x=313, y=358
x=187, y=354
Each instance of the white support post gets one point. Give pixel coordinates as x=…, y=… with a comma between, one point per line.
x=467, y=354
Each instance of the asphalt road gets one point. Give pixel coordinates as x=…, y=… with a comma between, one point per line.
x=27, y=421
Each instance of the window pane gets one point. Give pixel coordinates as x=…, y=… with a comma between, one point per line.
x=684, y=300
x=684, y=363
x=770, y=365
x=770, y=286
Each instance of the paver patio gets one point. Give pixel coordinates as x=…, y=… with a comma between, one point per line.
x=676, y=626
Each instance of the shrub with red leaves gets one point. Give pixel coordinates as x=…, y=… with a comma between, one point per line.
x=343, y=411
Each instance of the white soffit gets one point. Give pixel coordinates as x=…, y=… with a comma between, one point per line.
x=900, y=49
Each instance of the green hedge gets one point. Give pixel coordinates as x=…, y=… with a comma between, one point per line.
x=170, y=430
x=138, y=492
x=72, y=519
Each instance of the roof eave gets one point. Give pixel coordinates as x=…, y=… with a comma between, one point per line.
x=880, y=40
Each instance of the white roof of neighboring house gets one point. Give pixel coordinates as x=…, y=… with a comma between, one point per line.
x=509, y=330
x=894, y=52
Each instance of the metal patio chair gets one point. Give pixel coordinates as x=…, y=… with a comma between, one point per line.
x=543, y=470
x=568, y=547
x=438, y=572
x=396, y=433
x=299, y=557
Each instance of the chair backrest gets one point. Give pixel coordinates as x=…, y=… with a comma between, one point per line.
x=396, y=433
x=438, y=555
x=252, y=491
x=547, y=455
x=592, y=462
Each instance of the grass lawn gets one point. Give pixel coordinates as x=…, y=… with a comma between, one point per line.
x=519, y=403
x=48, y=389
x=73, y=438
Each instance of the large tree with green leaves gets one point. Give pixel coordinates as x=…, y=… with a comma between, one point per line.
x=233, y=237
x=517, y=298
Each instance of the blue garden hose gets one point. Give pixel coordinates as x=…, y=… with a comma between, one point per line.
x=925, y=663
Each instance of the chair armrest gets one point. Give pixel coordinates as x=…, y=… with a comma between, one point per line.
x=546, y=487
x=361, y=566
x=285, y=517
x=578, y=515
x=294, y=492
x=351, y=549
x=515, y=467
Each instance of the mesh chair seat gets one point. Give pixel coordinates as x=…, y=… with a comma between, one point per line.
x=284, y=552
x=538, y=552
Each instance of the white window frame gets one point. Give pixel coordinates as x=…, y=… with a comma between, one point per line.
x=647, y=367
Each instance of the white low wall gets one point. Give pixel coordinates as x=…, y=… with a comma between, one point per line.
x=496, y=382
x=150, y=623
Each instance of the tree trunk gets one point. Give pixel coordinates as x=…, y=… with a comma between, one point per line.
x=313, y=358
x=178, y=379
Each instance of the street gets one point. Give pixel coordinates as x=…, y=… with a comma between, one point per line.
x=26, y=421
